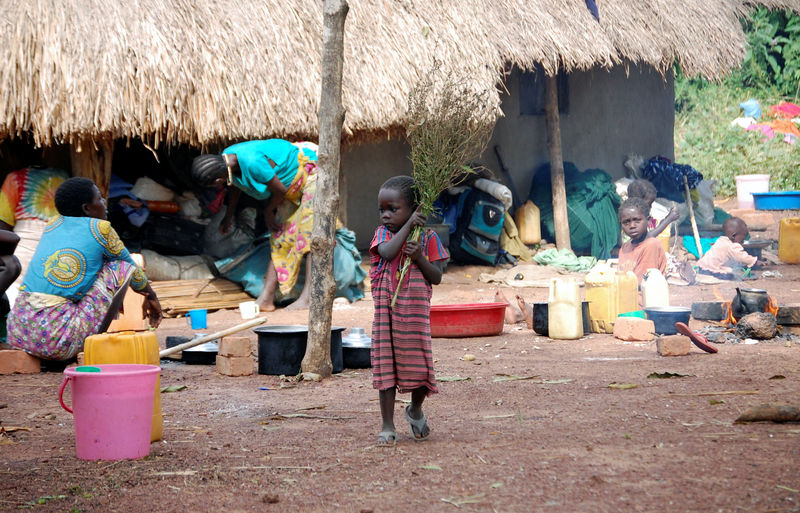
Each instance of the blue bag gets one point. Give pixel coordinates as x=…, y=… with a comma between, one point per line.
x=476, y=239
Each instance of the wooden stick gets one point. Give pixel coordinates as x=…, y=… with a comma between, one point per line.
x=208, y=338
x=691, y=216
x=206, y=284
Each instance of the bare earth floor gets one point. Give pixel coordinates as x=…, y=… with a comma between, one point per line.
x=562, y=441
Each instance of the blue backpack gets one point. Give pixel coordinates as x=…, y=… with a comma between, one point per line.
x=479, y=224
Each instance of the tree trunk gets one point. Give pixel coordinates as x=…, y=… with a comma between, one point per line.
x=92, y=159
x=326, y=202
x=560, y=218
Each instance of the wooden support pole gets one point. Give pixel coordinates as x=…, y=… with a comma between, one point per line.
x=560, y=217
x=326, y=201
x=91, y=158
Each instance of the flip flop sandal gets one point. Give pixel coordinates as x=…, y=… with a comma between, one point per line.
x=387, y=439
x=418, y=425
x=698, y=339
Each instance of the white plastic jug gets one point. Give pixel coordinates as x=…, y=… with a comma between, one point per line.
x=564, y=309
x=655, y=290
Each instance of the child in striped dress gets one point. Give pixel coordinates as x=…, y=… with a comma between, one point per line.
x=401, y=335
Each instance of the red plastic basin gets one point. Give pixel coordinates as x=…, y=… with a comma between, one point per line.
x=467, y=320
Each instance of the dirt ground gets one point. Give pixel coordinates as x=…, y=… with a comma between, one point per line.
x=561, y=441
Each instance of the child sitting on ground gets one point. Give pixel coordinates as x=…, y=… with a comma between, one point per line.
x=727, y=258
x=641, y=252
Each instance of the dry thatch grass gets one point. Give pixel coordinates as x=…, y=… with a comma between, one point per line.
x=205, y=71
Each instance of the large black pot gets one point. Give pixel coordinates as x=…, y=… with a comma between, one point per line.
x=541, y=324
x=281, y=349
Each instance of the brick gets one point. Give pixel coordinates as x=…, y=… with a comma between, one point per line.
x=234, y=346
x=673, y=345
x=788, y=314
x=710, y=310
x=235, y=365
x=14, y=361
x=756, y=220
x=634, y=328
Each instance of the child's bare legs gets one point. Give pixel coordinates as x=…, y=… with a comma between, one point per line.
x=386, y=400
x=414, y=411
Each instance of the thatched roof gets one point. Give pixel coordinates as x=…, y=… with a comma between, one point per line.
x=202, y=71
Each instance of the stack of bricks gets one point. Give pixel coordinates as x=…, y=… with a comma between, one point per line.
x=233, y=358
x=14, y=361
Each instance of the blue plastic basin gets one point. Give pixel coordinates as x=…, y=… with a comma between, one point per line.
x=788, y=200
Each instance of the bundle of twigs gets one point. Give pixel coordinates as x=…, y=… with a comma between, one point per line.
x=450, y=121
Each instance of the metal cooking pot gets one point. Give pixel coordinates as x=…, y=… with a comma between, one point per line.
x=748, y=301
x=356, y=347
x=204, y=354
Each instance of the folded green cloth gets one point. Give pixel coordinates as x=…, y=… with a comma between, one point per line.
x=564, y=258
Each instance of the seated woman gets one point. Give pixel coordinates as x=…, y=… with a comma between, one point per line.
x=284, y=176
x=77, y=278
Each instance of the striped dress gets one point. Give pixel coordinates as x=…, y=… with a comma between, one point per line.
x=401, y=337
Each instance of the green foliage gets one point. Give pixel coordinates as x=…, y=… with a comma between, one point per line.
x=704, y=137
x=773, y=55
x=448, y=126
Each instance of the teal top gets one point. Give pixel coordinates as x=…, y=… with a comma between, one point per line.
x=71, y=254
x=256, y=169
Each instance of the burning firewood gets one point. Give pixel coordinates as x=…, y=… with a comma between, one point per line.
x=770, y=413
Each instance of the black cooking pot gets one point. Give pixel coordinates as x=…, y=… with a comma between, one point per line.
x=541, y=324
x=281, y=349
x=665, y=317
x=356, y=349
x=204, y=354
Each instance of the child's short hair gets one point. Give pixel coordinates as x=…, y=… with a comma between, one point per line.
x=640, y=188
x=732, y=225
x=406, y=186
x=637, y=203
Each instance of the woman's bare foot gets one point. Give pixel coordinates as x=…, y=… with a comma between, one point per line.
x=300, y=304
x=266, y=307
x=527, y=311
x=513, y=312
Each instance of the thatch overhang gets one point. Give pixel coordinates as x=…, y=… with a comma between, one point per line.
x=203, y=71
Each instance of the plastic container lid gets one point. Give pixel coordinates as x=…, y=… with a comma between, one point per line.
x=88, y=368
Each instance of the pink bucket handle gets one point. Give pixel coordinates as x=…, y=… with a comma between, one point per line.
x=61, y=394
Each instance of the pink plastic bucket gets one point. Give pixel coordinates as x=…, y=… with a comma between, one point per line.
x=113, y=409
x=746, y=185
